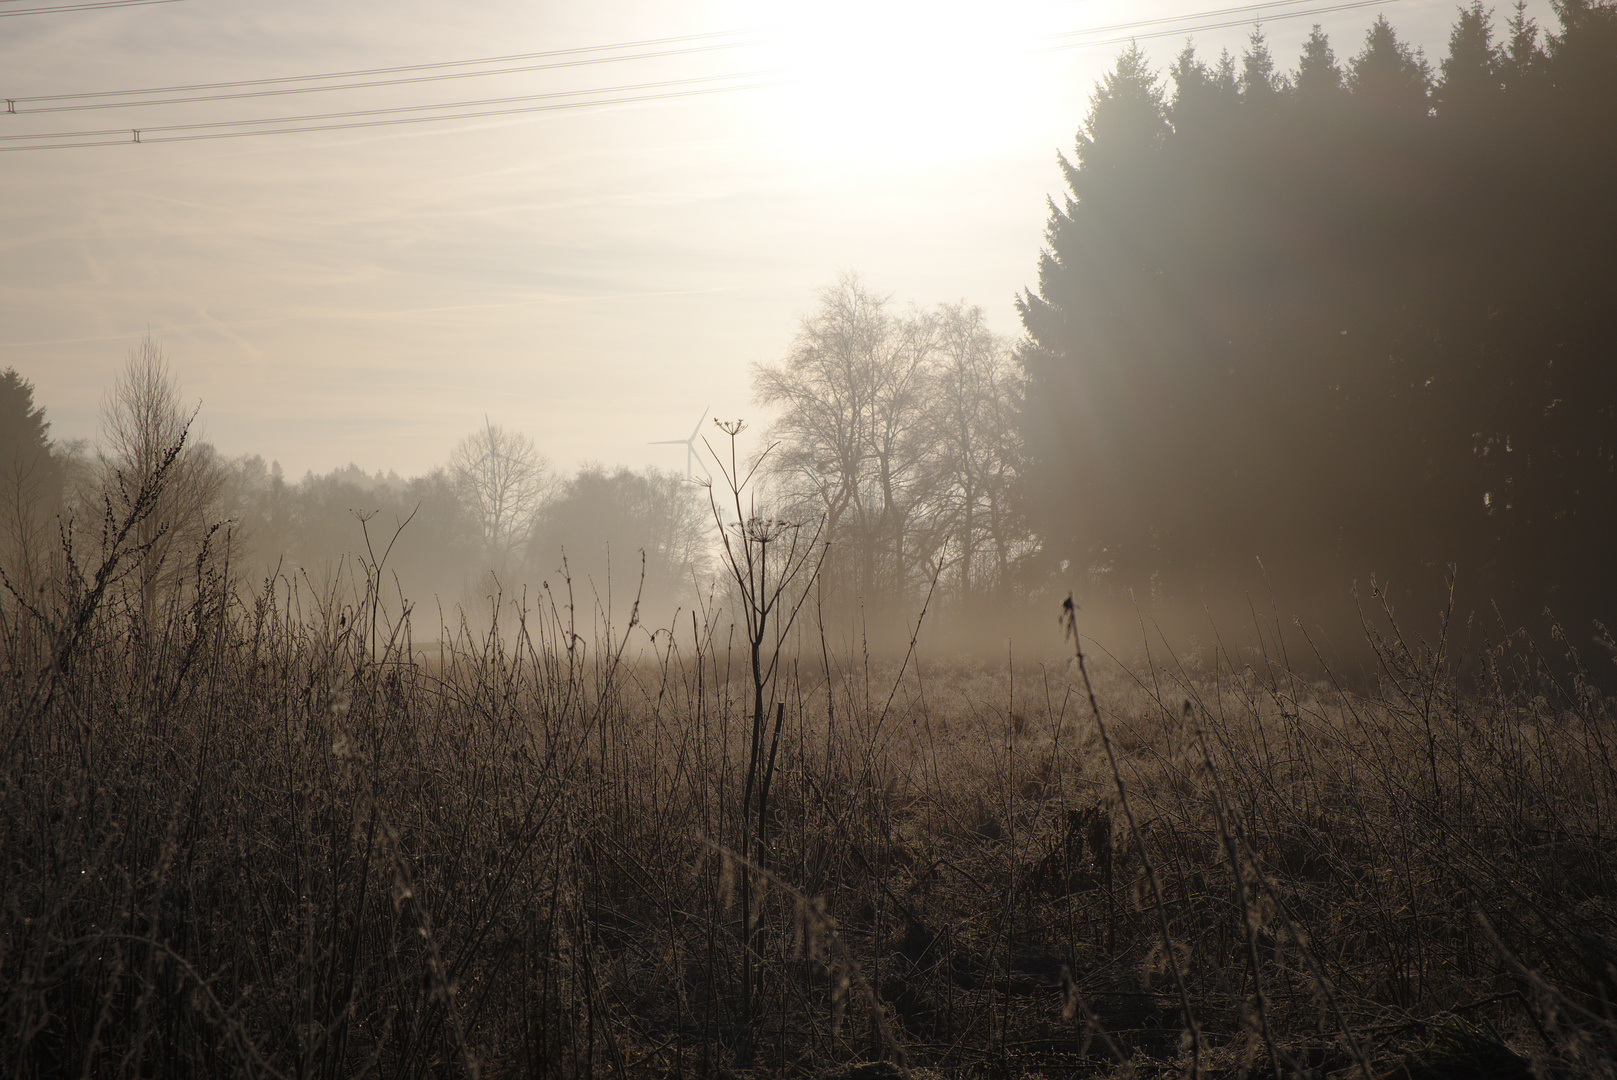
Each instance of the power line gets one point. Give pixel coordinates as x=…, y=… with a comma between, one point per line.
x=1214, y=14
x=409, y=81
x=349, y=121
x=628, y=88
x=1187, y=30
x=139, y=132
x=557, y=53
x=636, y=93
x=5, y=13
x=397, y=69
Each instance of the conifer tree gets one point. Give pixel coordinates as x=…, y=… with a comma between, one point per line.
x=1522, y=60
x=1127, y=118
x=1203, y=97
x=1319, y=80
x=1471, y=82
x=1192, y=83
x=1581, y=54
x=23, y=427
x=1388, y=74
x=30, y=482
x=1260, y=85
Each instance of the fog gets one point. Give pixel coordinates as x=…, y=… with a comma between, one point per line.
x=1315, y=345
x=864, y=540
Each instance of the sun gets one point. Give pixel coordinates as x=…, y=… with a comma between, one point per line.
x=881, y=80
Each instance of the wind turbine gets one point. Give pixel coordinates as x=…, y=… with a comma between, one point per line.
x=690, y=447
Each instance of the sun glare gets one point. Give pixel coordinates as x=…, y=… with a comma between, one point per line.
x=887, y=79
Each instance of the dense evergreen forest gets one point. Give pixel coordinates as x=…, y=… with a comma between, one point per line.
x=1354, y=321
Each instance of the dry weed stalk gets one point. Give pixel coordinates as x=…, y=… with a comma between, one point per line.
x=204, y=827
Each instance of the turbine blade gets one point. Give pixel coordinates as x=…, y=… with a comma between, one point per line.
x=698, y=428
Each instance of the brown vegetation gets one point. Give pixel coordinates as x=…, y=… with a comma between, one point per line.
x=267, y=838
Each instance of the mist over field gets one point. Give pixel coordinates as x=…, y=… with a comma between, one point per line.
x=843, y=650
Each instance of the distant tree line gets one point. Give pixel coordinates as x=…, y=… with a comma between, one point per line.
x=1353, y=320
x=490, y=524
x=496, y=520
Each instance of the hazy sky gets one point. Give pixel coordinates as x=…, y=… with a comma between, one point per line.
x=592, y=276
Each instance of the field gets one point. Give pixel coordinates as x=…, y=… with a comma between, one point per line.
x=265, y=835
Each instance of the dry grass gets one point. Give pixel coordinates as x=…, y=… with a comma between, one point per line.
x=263, y=837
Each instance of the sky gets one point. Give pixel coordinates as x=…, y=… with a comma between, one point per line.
x=597, y=270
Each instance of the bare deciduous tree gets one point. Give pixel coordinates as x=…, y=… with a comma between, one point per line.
x=142, y=419
x=853, y=446
x=975, y=392
x=899, y=429
x=503, y=479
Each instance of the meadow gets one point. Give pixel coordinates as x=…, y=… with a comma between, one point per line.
x=311, y=825
x=270, y=833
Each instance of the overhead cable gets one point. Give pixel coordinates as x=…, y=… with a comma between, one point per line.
x=357, y=73
x=633, y=93
x=363, y=118
x=1187, y=30
x=1248, y=9
x=409, y=81
x=8, y=12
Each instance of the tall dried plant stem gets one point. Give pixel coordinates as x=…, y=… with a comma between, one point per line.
x=1069, y=619
x=799, y=556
